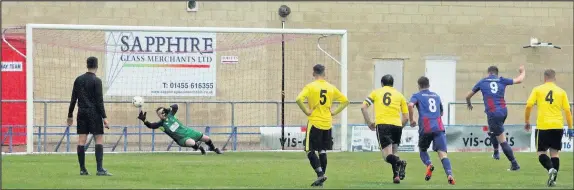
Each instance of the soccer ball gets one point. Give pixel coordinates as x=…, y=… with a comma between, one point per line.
x=138, y=101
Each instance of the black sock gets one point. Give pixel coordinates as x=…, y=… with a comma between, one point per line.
x=545, y=161
x=99, y=156
x=209, y=143
x=392, y=159
x=556, y=163
x=323, y=159
x=195, y=147
x=315, y=163
x=82, y=157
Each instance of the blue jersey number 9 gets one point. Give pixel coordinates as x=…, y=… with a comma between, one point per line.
x=493, y=87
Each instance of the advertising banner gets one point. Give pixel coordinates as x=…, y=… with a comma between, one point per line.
x=459, y=139
x=566, y=141
x=476, y=139
x=365, y=140
x=271, y=138
x=409, y=140
x=13, y=88
x=160, y=64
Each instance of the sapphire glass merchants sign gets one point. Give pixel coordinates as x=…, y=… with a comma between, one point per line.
x=160, y=64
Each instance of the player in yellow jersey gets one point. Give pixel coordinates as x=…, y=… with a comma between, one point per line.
x=390, y=105
x=320, y=95
x=550, y=100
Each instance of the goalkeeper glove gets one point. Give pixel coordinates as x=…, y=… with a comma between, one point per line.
x=166, y=111
x=142, y=116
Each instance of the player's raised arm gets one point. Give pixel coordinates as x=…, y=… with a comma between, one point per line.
x=300, y=101
x=142, y=117
x=521, y=76
x=529, y=104
x=152, y=125
x=73, y=102
x=343, y=102
x=174, y=109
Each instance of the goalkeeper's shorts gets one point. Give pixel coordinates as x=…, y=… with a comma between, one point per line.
x=190, y=134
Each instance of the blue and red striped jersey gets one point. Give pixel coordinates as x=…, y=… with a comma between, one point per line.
x=493, y=88
x=429, y=106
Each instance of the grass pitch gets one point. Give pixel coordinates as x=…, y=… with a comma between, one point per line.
x=273, y=170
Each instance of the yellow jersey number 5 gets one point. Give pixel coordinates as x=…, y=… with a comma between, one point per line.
x=323, y=96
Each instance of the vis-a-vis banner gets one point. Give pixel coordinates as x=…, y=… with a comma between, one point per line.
x=160, y=64
x=293, y=140
x=365, y=140
x=566, y=141
x=476, y=139
x=459, y=139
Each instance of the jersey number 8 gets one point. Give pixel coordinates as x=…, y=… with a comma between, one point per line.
x=432, y=105
x=493, y=87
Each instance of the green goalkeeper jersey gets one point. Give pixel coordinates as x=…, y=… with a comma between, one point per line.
x=174, y=128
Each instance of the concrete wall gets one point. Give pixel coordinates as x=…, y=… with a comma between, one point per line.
x=479, y=33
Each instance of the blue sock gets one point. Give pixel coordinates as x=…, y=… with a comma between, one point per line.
x=446, y=166
x=425, y=157
x=494, y=142
x=507, y=151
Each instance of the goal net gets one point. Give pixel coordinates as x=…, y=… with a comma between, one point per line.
x=227, y=82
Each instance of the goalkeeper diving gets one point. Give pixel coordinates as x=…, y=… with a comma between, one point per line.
x=184, y=136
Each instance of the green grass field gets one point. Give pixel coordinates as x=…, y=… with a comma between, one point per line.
x=272, y=170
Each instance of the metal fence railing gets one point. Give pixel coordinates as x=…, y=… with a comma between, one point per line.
x=44, y=132
x=234, y=132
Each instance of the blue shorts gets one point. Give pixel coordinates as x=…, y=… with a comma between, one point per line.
x=496, y=124
x=437, y=138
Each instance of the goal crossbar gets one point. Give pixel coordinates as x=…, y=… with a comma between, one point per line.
x=30, y=59
x=186, y=29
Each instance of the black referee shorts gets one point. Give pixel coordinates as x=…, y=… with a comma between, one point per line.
x=318, y=139
x=389, y=134
x=550, y=138
x=89, y=121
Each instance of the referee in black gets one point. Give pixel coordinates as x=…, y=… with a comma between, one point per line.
x=91, y=117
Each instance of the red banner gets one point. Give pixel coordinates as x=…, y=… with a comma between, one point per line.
x=13, y=81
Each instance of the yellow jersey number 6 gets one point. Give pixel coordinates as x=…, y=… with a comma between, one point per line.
x=387, y=99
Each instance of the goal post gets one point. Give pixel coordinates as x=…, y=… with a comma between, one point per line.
x=31, y=31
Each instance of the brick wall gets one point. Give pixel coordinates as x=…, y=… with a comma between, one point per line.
x=479, y=33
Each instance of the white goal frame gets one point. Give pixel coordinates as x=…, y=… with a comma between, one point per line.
x=30, y=59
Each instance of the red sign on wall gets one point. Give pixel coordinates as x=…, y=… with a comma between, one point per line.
x=13, y=81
